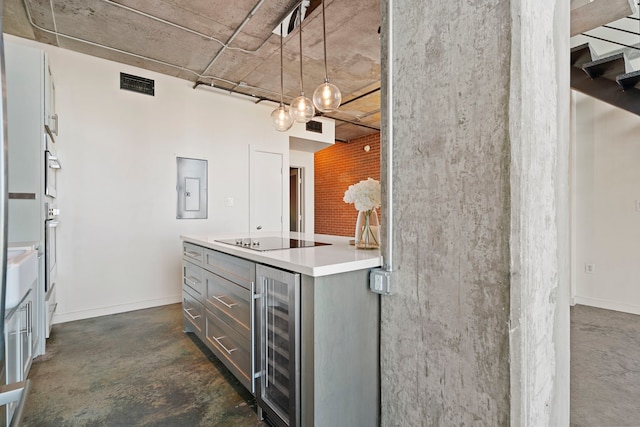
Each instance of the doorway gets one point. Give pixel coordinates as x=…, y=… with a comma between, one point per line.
x=296, y=199
x=267, y=190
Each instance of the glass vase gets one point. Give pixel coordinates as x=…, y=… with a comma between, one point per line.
x=367, y=230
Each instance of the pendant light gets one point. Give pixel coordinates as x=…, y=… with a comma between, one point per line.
x=302, y=109
x=280, y=116
x=327, y=96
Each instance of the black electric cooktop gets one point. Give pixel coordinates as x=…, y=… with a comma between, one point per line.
x=271, y=243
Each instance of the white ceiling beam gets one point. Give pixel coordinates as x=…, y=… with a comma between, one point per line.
x=589, y=14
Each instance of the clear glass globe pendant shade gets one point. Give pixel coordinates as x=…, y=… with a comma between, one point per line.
x=302, y=109
x=282, y=119
x=327, y=97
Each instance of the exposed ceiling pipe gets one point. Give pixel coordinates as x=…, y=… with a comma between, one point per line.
x=275, y=101
x=182, y=27
x=234, y=35
x=55, y=26
x=196, y=74
x=135, y=55
x=113, y=49
x=370, y=113
x=351, y=122
x=164, y=21
x=387, y=250
x=361, y=96
x=211, y=85
x=237, y=31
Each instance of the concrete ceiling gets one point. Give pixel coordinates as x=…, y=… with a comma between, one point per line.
x=194, y=40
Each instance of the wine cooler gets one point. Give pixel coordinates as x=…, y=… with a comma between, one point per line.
x=278, y=349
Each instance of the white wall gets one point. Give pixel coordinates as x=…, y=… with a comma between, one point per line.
x=606, y=216
x=119, y=237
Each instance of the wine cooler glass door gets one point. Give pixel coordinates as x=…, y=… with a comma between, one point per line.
x=279, y=353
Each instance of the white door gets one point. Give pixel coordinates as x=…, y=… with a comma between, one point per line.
x=267, y=191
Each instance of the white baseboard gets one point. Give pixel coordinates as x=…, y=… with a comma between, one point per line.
x=115, y=309
x=607, y=304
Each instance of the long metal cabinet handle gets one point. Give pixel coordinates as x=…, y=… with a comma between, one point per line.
x=186, y=310
x=217, y=340
x=191, y=281
x=54, y=163
x=222, y=302
x=24, y=310
x=29, y=318
x=55, y=117
x=193, y=254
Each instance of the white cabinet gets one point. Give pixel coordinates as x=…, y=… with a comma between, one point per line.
x=30, y=109
x=25, y=78
x=18, y=345
x=50, y=114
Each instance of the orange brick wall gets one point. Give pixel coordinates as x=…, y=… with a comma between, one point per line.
x=335, y=169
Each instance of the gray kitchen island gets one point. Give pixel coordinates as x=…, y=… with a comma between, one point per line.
x=292, y=317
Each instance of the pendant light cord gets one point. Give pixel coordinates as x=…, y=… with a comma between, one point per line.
x=281, y=69
x=324, y=38
x=300, y=31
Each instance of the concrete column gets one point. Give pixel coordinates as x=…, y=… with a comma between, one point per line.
x=477, y=332
x=539, y=108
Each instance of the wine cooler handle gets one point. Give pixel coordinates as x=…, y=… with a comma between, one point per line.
x=252, y=307
x=222, y=345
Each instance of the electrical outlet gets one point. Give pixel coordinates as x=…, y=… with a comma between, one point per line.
x=589, y=268
x=380, y=281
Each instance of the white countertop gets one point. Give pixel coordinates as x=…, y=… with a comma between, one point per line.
x=339, y=257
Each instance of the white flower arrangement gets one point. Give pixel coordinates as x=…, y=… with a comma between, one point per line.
x=365, y=195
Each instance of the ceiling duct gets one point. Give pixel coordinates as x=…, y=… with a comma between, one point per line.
x=293, y=19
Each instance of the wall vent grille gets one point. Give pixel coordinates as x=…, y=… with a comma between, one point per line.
x=314, y=126
x=137, y=84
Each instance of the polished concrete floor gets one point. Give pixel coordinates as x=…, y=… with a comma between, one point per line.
x=140, y=369
x=605, y=368
x=133, y=369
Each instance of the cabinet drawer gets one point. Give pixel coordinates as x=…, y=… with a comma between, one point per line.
x=236, y=269
x=193, y=253
x=230, y=302
x=193, y=313
x=193, y=280
x=230, y=347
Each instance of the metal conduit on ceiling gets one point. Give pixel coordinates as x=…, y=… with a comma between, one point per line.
x=196, y=74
